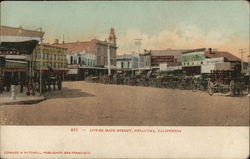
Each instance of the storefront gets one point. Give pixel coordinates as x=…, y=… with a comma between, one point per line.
x=15, y=68
x=192, y=60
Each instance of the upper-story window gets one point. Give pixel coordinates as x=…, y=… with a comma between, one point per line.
x=98, y=51
x=98, y=59
x=79, y=60
x=71, y=59
x=122, y=64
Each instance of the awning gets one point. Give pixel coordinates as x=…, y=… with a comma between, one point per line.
x=24, y=47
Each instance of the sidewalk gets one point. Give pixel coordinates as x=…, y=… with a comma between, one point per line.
x=21, y=98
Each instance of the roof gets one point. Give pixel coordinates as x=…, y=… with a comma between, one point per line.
x=12, y=31
x=75, y=46
x=227, y=55
x=53, y=46
x=193, y=50
x=166, y=52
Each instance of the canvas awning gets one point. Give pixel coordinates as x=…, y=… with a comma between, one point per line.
x=24, y=47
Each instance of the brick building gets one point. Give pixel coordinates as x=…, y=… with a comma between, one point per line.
x=97, y=47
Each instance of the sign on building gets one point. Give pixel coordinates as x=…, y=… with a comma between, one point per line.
x=156, y=60
x=193, y=59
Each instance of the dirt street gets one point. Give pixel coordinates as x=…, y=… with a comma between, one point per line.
x=82, y=103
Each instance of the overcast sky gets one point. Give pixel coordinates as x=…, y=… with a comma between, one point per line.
x=161, y=24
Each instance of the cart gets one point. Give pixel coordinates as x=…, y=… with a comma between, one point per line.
x=222, y=81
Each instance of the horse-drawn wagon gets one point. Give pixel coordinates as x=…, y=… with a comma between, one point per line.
x=224, y=81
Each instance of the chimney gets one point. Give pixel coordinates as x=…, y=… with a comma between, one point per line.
x=56, y=41
x=210, y=50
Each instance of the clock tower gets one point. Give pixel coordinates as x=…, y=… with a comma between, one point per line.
x=112, y=37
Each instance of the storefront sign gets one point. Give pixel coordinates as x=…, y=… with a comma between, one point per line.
x=156, y=60
x=9, y=52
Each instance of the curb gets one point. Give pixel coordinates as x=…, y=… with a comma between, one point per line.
x=31, y=101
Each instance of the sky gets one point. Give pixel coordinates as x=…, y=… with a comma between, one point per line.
x=223, y=25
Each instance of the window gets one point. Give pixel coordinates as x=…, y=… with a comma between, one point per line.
x=98, y=60
x=128, y=65
x=122, y=64
x=79, y=60
x=98, y=51
x=71, y=59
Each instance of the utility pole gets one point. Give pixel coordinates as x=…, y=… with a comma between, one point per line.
x=41, y=62
x=138, y=49
x=248, y=69
x=109, y=66
x=242, y=51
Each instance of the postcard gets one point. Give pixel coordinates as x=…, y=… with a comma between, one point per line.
x=124, y=79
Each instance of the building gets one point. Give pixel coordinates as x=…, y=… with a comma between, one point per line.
x=204, y=60
x=50, y=56
x=221, y=60
x=166, y=58
x=192, y=60
x=19, y=46
x=134, y=61
x=145, y=60
x=22, y=37
x=82, y=59
x=18, y=34
x=94, y=46
x=79, y=64
x=125, y=61
x=14, y=66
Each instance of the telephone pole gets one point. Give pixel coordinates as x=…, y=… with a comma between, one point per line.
x=109, y=66
x=138, y=50
x=41, y=62
x=242, y=51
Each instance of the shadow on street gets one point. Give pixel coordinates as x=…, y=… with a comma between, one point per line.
x=67, y=93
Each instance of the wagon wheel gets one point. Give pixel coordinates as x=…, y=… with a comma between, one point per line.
x=232, y=88
x=210, y=88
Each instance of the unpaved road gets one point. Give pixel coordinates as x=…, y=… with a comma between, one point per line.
x=82, y=103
